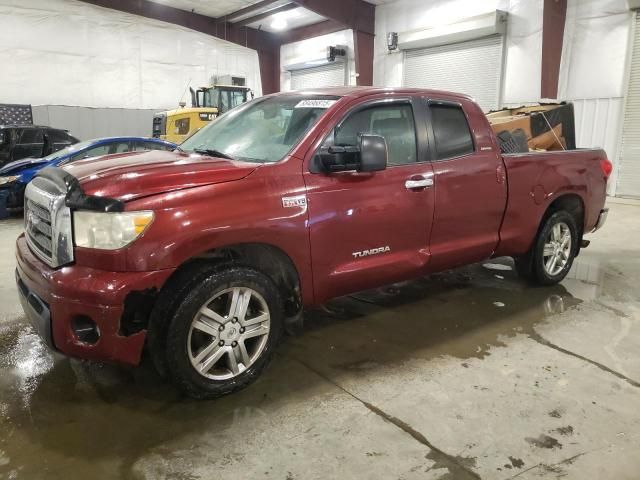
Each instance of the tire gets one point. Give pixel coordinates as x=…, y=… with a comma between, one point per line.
x=213, y=349
x=166, y=305
x=557, y=239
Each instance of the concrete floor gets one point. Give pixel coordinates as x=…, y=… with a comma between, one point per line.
x=464, y=375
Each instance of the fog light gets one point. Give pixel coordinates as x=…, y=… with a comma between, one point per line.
x=85, y=329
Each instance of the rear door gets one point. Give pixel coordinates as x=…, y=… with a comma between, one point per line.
x=368, y=229
x=470, y=183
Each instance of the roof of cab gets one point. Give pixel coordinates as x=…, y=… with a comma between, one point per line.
x=354, y=92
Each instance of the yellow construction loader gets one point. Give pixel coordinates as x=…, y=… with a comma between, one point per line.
x=206, y=104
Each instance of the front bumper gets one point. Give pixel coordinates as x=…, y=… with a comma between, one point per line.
x=54, y=298
x=602, y=218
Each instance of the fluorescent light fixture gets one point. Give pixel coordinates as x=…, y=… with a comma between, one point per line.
x=279, y=22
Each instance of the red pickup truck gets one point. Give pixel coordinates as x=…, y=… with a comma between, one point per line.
x=200, y=256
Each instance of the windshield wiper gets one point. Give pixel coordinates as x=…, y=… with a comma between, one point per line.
x=213, y=153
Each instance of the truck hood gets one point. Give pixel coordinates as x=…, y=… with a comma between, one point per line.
x=127, y=176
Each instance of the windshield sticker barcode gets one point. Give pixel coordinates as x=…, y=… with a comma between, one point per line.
x=315, y=103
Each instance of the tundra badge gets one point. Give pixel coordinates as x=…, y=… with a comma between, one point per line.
x=372, y=251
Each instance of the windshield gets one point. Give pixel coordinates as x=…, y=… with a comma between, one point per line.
x=260, y=131
x=66, y=151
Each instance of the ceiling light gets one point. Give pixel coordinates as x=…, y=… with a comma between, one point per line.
x=278, y=23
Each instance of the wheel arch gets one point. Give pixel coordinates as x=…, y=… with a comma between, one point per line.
x=264, y=257
x=571, y=203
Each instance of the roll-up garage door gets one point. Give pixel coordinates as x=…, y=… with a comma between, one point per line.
x=473, y=67
x=629, y=169
x=330, y=75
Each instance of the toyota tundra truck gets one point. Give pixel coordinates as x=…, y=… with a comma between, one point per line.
x=200, y=257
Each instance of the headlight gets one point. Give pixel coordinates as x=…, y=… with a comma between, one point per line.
x=109, y=231
x=11, y=179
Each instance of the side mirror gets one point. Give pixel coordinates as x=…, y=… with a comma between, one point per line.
x=370, y=155
x=373, y=153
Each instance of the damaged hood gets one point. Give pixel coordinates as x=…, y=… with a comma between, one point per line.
x=133, y=175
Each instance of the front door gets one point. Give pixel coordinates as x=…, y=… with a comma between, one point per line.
x=369, y=229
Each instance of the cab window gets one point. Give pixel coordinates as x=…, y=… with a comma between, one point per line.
x=182, y=126
x=393, y=122
x=31, y=135
x=451, y=131
x=92, y=152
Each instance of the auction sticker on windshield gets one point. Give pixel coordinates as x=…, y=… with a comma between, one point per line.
x=315, y=103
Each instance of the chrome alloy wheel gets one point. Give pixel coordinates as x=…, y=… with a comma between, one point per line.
x=229, y=333
x=557, y=249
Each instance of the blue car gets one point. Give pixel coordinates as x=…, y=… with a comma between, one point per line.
x=15, y=175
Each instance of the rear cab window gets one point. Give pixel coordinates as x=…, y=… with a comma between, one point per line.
x=451, y=133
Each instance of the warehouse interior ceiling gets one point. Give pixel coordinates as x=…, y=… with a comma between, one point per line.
x=268, y=15
x=217, y=8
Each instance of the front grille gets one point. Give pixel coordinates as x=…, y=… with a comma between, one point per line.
x=38, y=228
x=47, y=223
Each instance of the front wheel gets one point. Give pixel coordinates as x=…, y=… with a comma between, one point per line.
x=224, y=332
x=552, y=254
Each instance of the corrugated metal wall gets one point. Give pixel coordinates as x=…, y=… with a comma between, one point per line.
x=86, y=123
x=628, y=180
x=598, y=126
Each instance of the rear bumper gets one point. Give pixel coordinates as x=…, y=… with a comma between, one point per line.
x=54, y=299
x=602, y=218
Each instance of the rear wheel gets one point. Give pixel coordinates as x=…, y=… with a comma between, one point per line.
x=224, y=332
x=552, y=254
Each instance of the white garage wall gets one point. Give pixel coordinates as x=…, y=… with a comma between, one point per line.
x=593, y=69
x=593, y=72
x=314, y=49
x=65, y=52
x=523, y=43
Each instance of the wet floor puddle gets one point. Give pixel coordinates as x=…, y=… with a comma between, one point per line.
x=61, y=410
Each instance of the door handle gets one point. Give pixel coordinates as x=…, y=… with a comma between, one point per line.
x=418, y=183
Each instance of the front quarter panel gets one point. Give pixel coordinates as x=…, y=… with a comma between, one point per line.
x=193, y=222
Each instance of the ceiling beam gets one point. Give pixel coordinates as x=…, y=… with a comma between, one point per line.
x=310, y=31
x=250, y=9
x=267, y=14
x=355, y=14
x=553, y=20
x=245, y=36
x=363, y=50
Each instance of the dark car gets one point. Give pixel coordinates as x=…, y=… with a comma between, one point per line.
x=22, y=141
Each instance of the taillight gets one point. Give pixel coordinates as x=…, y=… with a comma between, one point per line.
x=606, y=167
